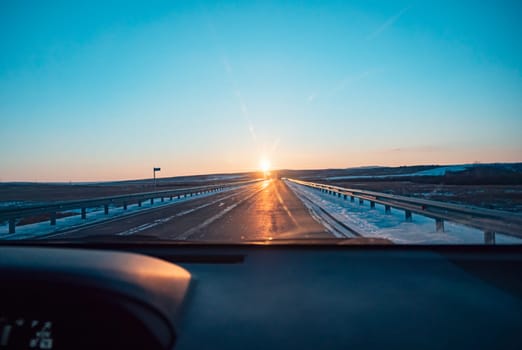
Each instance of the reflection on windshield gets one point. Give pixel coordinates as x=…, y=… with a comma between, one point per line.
x=239, y=122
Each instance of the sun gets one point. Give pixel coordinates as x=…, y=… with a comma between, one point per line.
x=264, y=165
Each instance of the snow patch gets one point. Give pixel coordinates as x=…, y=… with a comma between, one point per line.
x=375, y=223
x=438, y=171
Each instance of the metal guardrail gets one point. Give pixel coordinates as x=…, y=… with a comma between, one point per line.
x=487, y=220
x=12, y=214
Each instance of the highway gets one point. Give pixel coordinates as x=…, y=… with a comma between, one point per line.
x=259, y=211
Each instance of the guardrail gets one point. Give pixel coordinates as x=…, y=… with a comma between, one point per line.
x=14, y=213
x=487, y=220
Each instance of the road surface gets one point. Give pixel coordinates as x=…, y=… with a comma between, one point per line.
x=263, y=210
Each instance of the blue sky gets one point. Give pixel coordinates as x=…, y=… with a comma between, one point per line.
x=107, y=90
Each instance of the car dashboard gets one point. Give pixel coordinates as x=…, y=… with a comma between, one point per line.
x=259, y=296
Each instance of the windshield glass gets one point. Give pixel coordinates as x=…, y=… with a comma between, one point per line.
x=358, y=122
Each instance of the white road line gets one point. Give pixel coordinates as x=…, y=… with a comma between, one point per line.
x=207, y=222
x=167, y=219
x=75, y=228
x=286, y=208
x=320, y=215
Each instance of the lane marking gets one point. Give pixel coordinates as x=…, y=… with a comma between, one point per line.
x=332, y=224
x=167, y=219
x=280, y=199
x=76, y=228
x=210, y=220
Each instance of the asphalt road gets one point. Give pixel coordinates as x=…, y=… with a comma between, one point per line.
x=264, y=210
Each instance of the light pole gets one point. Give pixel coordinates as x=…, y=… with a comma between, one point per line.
x=154, y=174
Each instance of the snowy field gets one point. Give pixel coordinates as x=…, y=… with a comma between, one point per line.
x=438, y=171
x=94, y=215
x=375, y=223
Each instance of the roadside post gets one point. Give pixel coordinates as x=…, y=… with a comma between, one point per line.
x=154, y=175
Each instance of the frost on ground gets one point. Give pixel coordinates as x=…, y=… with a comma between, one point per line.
x=438, y=171
x=94, y=215
x=375, y=223
x=11, y=204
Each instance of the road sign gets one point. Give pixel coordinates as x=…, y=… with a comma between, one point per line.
x=154, y=174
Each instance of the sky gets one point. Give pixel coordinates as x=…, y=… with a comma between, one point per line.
x=106, y=90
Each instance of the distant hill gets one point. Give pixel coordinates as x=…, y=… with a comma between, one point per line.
x=458, y=174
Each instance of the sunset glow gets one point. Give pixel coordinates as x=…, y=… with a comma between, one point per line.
x=264, y=165
x=255, y=87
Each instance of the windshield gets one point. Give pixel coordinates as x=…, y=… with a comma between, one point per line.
x=351, y=122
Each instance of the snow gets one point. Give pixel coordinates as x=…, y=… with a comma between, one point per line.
x=375, y=223
x=438, y=171
x=6, y=204
x=349, y=177
x=94, y=215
